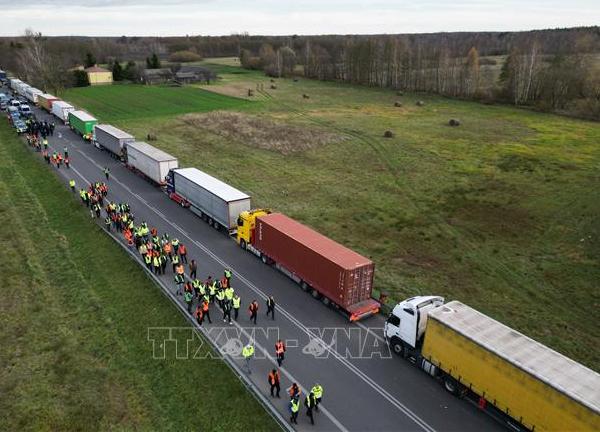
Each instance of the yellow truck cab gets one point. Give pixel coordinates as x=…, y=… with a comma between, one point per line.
x=245, y=227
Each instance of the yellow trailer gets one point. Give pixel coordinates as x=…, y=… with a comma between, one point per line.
x=538, y=387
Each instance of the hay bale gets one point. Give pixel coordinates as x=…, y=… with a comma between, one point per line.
x=399, y=93
x=420, y=103
x=273, y=87
x=388, y=134
x=454, y=122
x=398, y=104
x=305, y=96
x=151, y=137
x=250, y=92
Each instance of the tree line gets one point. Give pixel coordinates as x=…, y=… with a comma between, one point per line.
x=553, y=70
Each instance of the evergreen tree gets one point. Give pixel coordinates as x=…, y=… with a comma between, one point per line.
x=90, y=60
x=117, y=71
x=155, y=62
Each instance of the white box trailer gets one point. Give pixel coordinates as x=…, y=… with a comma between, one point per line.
x=215, y=201
x=13, y=83
x=61, y=109
x=153, y=163
x=21, y=88
x=111, y=138
x=31, y=93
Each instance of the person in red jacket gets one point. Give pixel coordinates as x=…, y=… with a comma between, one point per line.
x=183, y=253
x=280, y=351
x=274, y=382
x=253, y=309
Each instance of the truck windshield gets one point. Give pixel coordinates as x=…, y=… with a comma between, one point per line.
x=394, y=320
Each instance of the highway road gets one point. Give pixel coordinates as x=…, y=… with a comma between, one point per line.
x=366, y=388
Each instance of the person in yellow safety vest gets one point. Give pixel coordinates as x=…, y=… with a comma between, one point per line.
x=237, y=303
x=220, y=297
x=229, y=294
x=156, y=264
x=317, y=390
x=175, y=243
x=72, y=185
x=212, y=289
x=248, y=352
x=175, y=261
x=196, y=285
x=148, y=260
x=294, y=408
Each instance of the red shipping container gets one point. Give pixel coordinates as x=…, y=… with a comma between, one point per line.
x=338, y=273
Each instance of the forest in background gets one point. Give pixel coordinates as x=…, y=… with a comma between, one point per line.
x=554, y=70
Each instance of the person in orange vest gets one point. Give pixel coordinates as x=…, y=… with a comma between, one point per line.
x=182, y=252
x=253, y=309
x=199, y=314
x=280, y=351
x=206, y=310
x=294, y=390
x=274, y=382
x=168, y=250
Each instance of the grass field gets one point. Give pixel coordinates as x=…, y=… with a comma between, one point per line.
x=75, y=314
x=501, y=212
x=144, y=102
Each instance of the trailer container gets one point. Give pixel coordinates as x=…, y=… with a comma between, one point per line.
x=330, y=269
x=153, y=163
x=61, y=109
x=45, y=101
x=513, y=377
x=14, y=82
x=21, y=88
x=31, y=94
x=112, y=139
x=82, y=123
x=215, y=201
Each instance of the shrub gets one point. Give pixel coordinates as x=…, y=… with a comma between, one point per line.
x=184, y=57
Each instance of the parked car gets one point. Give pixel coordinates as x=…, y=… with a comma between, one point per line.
x=3, y=106
x=20, y=126
x=25, y=110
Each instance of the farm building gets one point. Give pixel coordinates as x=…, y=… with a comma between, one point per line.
x=97, y=75
x=157, y=76
x=190, y=74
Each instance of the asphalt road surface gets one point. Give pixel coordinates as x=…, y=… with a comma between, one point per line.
x=366, y=388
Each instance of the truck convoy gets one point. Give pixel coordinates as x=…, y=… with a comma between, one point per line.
x=152, y=163
x=112, y=139
x=513, y=377
x=82, y=123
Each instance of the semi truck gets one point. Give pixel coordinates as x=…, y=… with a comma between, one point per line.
x=13, y=83
x=154, y=164
x=216, y=202
x=45, y=101
x=31, y=94
x=516, y=379
x=61, y=110
x=328, y=270
x=21, y=87
x=112, y=139
x=82, y=123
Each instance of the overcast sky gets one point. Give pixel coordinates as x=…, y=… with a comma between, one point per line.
x=222, y=17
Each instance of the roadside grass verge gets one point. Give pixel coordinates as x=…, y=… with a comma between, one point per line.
x=75, y=314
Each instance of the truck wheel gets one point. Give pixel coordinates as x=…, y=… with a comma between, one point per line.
x=210, y=221
x=326, y=301
x=182, y=203
x=304, y=286
x=216, y=225
x=451, y=385
x=316, y=294
x=264, y=258
x=243, y=244
x=397, y=347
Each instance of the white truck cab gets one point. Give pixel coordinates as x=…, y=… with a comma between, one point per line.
x=407, y=322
